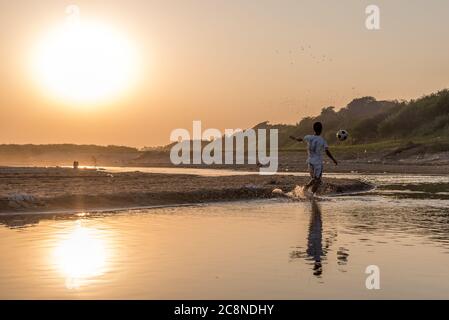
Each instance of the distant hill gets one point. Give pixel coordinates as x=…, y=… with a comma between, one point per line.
x=64, y=154
x=369, y=120
x=44, y=148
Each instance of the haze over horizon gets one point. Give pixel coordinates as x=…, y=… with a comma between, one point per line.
x=230, y=65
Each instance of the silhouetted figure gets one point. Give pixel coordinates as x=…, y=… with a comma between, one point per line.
x=94, y=161
x=75, y=164
x=316, y=145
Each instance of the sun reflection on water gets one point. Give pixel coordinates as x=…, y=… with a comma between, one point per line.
x=81, y=255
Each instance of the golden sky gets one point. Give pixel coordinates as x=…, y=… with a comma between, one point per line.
x=230, y=64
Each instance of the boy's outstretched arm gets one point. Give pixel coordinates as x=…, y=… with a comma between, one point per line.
x=329, y=154
x=296, y=139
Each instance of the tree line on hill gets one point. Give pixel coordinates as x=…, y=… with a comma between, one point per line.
x=369, y=120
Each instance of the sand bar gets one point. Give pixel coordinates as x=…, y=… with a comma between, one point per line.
x=60, y=189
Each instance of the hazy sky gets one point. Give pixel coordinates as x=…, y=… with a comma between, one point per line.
x=231, y=64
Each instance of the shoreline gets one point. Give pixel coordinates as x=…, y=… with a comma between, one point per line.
x=396, y=160
x=56, y=190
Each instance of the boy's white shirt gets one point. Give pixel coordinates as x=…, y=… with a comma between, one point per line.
x=315, y=148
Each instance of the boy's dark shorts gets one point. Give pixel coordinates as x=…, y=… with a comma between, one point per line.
x=316, y=171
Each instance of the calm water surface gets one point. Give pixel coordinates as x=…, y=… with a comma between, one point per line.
x=273, y=249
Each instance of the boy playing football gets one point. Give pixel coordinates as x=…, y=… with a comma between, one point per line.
x=315, y=147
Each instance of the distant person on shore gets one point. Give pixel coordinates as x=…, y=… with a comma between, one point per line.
x=75, y=164
x=316, y=145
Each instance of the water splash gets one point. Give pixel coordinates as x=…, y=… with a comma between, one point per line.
x=298, y=193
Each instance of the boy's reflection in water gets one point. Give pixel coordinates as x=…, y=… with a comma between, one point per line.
x=318, y=245
x=315, y=238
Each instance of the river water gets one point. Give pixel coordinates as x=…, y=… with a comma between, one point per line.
x=270, y=249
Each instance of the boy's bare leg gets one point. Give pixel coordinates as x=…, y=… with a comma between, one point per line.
x=316, y=185
x=312, y=176
x=308, y=185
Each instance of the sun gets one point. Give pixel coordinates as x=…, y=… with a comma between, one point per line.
x=85, y=62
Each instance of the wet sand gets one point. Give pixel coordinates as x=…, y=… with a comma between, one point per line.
x=60, y=189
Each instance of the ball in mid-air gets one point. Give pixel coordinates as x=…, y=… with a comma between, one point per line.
x=342, y=135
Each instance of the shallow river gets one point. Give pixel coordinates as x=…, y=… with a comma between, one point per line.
x=274, y=249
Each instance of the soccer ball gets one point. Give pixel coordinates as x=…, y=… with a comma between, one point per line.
x=342, y=135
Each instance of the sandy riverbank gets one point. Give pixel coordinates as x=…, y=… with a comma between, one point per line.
x=60, y=189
